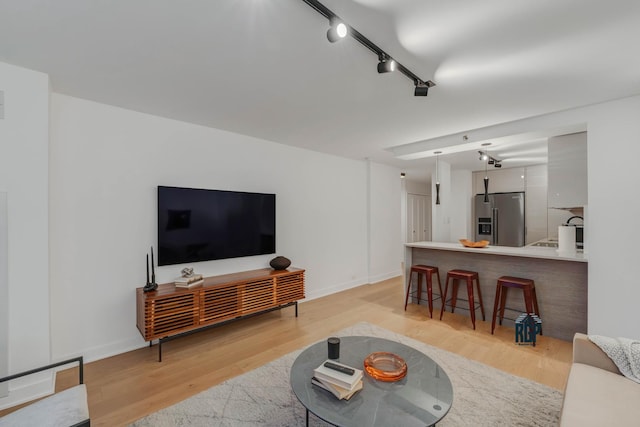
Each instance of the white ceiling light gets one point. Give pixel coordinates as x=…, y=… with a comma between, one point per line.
x=337, y=31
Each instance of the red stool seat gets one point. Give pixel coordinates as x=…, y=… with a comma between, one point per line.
x=470, y=277
x=428, y=272
x=529, y=292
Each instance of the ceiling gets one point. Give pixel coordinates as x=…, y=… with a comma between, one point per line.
x=264, y=68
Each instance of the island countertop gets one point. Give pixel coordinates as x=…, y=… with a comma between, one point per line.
x=525, y=251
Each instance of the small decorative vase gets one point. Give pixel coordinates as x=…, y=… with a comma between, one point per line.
x=280, y=263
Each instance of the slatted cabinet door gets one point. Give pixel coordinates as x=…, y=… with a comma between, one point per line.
x=289, y=288
x=220, y=303
x=171, y=314
x=258, y=295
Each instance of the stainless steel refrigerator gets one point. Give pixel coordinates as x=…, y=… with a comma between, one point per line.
x=501, y=220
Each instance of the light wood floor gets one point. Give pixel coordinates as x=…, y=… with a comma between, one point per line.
x=129, y=386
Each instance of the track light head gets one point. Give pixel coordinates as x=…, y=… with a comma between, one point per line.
x=386, y=65
x=497, y=165
x=338, y=31
x=422, y=89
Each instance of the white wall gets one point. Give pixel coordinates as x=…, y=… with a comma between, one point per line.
x=440, y=214
x=613, y=151
x=23, y=176
x=461, y=207
x=105, y=165
x=417, y=187
x=385, y=238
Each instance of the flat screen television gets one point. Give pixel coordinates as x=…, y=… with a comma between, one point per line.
x=201, y=225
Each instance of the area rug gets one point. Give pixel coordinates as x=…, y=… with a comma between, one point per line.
x=483, y=396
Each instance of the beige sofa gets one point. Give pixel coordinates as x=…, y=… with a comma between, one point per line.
x=597, y=394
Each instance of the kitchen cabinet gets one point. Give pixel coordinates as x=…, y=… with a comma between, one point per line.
x=567, y=171
x=536, y=203
x=500, y=180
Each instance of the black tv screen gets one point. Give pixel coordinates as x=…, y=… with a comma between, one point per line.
x=201, y=225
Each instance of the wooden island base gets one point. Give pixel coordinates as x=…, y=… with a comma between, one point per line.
x=170, y=312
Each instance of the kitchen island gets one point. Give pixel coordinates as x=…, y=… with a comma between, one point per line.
x=560, y=278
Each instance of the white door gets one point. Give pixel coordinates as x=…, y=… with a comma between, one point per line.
x=418, y=218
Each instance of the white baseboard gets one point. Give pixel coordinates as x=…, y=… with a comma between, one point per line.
x=311, y=295
x=385, y=276
x=27, y=389
x=103, y=351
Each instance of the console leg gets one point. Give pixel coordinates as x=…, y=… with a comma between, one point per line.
x=296, y=308
x=307, y=418
x=160, y=350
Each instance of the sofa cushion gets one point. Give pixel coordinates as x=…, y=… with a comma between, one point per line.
x=596, y=397
x=66, y=408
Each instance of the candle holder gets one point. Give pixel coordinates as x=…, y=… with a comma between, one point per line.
x=151, y=285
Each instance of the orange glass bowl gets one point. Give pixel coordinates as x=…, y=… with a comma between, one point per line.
x=384, y=366
x=469, y=244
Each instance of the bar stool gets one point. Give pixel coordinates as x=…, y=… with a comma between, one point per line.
x=528, y=289
x=428, y=272
x=469, y=277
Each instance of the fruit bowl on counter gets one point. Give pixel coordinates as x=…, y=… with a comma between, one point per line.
x=469, y=244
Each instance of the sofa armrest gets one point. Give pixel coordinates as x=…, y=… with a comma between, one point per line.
x=586, y=352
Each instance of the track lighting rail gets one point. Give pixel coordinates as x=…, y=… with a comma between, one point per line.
x=417, y=81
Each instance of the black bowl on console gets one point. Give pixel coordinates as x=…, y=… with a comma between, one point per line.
x=280, y=263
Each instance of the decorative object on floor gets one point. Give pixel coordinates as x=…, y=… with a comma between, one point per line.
x=151, y=285
x=484, y=396
x=385, y=366
x=527, y=328
x=280, y=263
x=470, y=244
x=187, y=272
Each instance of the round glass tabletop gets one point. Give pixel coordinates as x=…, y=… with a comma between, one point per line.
x=422, y=397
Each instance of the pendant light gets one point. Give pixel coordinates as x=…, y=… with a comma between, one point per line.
x=486, y=176
x=437, y=153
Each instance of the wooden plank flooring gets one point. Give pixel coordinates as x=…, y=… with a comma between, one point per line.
x=129, y=386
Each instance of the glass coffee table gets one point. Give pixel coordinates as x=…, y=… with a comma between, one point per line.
x=422, y=397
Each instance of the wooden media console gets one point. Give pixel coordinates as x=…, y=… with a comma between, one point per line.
x=170, y=312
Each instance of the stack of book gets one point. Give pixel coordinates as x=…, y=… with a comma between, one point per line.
x=189, y=281
x=341, y=380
